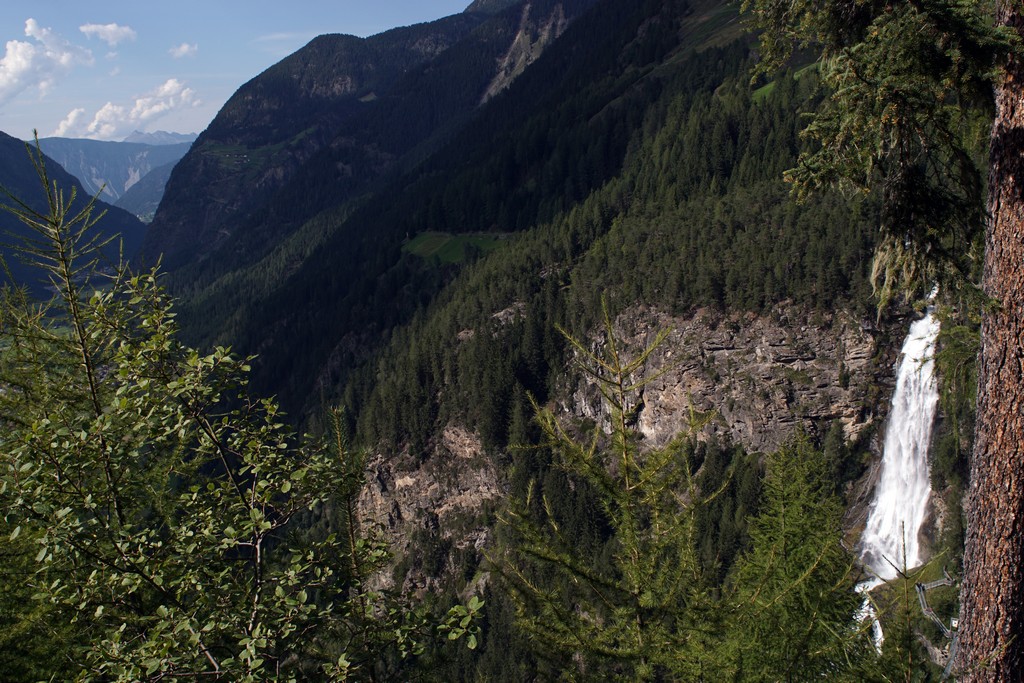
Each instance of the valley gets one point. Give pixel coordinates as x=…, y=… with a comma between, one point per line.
x=535, y=273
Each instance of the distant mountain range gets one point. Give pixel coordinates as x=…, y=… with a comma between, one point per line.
x=114, y=168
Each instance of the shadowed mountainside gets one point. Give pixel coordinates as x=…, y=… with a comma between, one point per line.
x=18, y=176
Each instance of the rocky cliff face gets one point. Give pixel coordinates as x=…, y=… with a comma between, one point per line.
x=763, y=377
x=534, y=35
x=448, y=497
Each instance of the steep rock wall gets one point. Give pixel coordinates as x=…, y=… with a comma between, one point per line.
x=763, y=377
x=533, y=36
x=448, y=496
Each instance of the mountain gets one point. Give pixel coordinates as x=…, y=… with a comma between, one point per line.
x=556, y=135
x=110, y=167
x=491, y=6
x=160, y=137
x=18, y=176
x=325, y=124
x=143, y=198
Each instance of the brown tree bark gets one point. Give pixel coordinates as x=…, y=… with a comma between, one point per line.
x=991, y=635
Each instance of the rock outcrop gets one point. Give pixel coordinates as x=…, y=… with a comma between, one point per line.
x=447, y=496
x=534, y=35
x=762, y=377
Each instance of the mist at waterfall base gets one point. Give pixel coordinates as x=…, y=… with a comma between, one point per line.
x=890, y=542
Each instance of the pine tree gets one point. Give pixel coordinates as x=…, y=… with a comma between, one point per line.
x=641, y=609
x=795, y=603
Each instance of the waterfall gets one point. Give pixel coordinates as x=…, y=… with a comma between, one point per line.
x=890, y=539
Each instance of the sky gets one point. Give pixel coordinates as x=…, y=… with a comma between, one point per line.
x=102, y=69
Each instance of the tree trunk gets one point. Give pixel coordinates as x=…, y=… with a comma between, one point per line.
x=991, y=637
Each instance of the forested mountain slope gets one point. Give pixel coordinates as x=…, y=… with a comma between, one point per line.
x=322, y=299
x=698, y=219
x=632, y=161
x=319, y=127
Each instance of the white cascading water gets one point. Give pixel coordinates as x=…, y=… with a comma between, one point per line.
x=890, y=539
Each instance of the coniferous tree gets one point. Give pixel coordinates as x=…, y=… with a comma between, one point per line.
x=642, y=609
x=796, y=609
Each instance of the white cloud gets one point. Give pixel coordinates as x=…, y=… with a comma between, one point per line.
x=282, y=44
x=173, y=94
x=38, y=64
x=279, y=37
x=114, y=121
x=111, y=34
x=70, y=123
x=184, y=50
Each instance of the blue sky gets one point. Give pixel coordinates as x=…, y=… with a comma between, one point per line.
x=101, y=69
